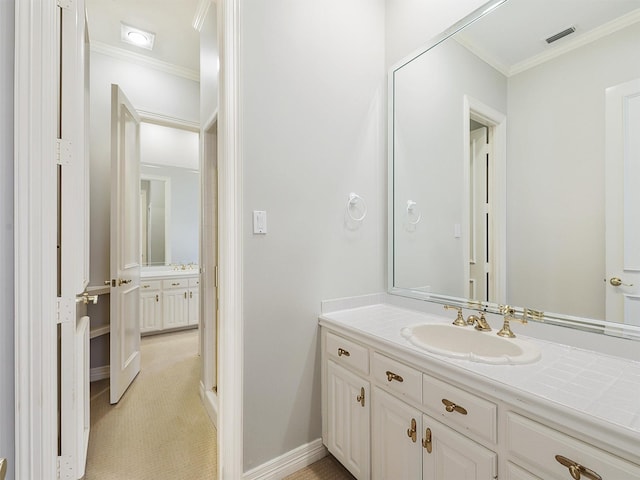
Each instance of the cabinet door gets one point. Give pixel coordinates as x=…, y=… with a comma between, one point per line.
x=194, y=305
x=175, y=305
x=348, y=415
x=395, y=453
x=150, y=312
x=516, y=473
x=453, y=455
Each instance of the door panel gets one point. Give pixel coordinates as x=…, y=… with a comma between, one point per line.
x=125, y=244
x=622, y=282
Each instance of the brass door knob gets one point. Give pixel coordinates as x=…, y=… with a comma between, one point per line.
x=616, y=282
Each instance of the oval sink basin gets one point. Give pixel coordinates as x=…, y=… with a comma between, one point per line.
x=469, y=344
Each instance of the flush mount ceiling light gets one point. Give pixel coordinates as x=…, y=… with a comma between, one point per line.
x=136, y=36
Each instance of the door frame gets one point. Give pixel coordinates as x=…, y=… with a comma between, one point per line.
x=36, y=60
x=496, y=122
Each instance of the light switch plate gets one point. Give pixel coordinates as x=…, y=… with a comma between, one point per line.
x=259, y=221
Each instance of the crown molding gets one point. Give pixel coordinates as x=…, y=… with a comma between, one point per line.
x=122, y=54
x=201, y=13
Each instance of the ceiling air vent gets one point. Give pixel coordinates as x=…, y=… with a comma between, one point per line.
x=560, y=35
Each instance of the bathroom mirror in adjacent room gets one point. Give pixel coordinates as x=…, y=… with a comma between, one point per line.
x=514, y=162
x=169, y=195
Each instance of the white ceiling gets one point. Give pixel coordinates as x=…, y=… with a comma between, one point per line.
x=514, y=33
x=176, y=42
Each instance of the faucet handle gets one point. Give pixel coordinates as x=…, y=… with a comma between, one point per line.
x=459, y=321
x=506, y=310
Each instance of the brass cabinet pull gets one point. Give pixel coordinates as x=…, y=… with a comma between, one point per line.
x=185, y=295
x=411, y=432
x=576, y=470
x=342, y=351
x=157, y=298
x=360, y=398
x=426, y=442
x=452, y=407
x=190, y=294
x=176, y=284
x=146, y=286
x=394, y=376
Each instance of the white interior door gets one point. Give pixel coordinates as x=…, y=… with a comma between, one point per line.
x=478, y=241
x=73, y=225
x=125, y=244
x=209, y=255
x=623, y=203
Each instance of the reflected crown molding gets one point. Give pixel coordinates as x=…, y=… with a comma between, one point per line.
x=584, y=39
x=126, y=55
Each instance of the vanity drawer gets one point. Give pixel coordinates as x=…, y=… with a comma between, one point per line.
x=348, y=353
x=175, y=283
x=146, y=285
x=194, y=282
x=468, y=412
x=397, y=376
x=537, y=445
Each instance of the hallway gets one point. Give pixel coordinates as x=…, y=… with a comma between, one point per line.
x=159, y=430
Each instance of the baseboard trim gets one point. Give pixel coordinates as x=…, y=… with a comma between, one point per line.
x=210, y=402
x=290, y=462
x=99, y=373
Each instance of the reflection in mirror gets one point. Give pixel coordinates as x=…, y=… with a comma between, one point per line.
x=517, y=150
x=170, y=195
x=154, y=220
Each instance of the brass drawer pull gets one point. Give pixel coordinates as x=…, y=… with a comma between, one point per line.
x=452, y=407
x=411, y=432
x=146, y=286
x=360, y=398
x=342, y=351
x=426, y=442
x=576, y=470
x=175, y=284
x=394, y=376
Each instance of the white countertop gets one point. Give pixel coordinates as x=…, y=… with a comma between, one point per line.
x=153, y=273
x=604, y=387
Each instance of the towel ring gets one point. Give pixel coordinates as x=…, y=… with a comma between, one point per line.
x=410, y=208
x=354, y=198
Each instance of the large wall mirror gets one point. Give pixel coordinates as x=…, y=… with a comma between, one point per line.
x=515, y=163
x=169, y=195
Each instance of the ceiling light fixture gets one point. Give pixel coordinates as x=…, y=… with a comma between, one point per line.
x=136, y=36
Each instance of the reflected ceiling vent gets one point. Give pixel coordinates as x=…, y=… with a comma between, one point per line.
x=560, y=35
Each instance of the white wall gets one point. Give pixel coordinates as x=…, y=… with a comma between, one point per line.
x=556, y=167
x=209, y=65
x=7, y=420
x=148, y=89
x=313, y=129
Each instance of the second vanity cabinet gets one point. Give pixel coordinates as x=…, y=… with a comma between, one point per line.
x=384, y=419
x=169, y=303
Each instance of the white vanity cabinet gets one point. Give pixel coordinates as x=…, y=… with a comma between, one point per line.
x=349, y=400
x=169, y=302
x=423, y=419
x=348, y=403
x=150, y=306
x=396, y=438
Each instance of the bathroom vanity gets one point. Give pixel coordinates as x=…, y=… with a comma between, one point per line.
x=169, y=299
x=392, y=410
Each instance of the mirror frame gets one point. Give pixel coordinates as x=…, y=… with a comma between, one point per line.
x=578, y=323
x=167, y=213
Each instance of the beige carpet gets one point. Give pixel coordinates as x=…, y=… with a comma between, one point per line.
x=159, y=430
